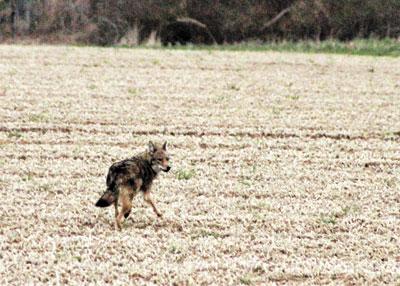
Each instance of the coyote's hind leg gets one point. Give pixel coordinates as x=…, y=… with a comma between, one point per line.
x=126, y=196
x=117, y=223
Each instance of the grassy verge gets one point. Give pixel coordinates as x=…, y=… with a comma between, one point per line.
x=370, y=47
x=364, y=47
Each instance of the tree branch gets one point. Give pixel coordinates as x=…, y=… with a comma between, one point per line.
x=276, y=18
x=195, y=22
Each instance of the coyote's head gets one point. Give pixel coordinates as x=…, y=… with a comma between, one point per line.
x=159, y=158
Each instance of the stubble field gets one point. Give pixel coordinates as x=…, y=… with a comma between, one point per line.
x=286, y=167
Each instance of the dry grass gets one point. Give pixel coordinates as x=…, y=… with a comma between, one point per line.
x=286, y=167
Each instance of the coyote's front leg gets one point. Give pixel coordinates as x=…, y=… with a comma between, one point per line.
x=147, y=199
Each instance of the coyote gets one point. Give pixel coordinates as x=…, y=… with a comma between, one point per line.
x=127, y=177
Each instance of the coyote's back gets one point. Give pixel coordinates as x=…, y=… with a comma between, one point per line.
x=125, y=172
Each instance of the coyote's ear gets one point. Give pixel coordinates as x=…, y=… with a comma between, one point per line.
x=152, y=148
x=164, y=146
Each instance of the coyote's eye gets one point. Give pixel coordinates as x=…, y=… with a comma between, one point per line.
x=167, y=158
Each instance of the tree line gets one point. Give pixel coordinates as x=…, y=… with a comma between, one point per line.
x=108, y=22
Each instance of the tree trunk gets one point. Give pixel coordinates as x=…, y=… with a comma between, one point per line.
x=14, y=17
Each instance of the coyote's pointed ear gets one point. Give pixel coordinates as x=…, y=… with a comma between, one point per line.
x=152, y=148
x=164, y=146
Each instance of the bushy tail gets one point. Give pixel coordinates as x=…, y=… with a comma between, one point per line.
x=106, y=199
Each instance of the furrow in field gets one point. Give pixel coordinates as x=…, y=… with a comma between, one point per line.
x=395, y=135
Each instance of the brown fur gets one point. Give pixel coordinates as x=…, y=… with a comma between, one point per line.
x=127, y=177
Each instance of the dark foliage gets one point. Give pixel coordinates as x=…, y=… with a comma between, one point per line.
x=106, y=22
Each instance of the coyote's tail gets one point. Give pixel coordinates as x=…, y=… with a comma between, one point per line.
x=106, y=199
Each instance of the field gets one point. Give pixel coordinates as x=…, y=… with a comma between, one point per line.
x=286, y=167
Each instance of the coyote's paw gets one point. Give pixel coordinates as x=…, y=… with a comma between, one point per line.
x=117, y=226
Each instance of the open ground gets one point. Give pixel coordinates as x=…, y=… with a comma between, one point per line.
x=286, y=167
